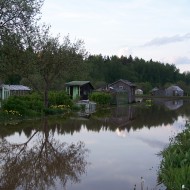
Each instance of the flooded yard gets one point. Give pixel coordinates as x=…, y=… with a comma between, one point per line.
x=116, y=148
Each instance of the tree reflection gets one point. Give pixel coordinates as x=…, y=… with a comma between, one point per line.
x=41, y=165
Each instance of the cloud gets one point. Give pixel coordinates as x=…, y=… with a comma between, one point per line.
x=154, y=143
x=167, y=40
x=182, y=60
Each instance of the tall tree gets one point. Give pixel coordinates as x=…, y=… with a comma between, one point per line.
x=17, y=16
x=46, y=59
x=18, y=20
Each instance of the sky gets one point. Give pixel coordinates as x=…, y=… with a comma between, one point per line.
x=147, y=29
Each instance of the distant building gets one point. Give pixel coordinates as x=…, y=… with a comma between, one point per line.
x=124, y=86
x=174, y=91
x=79, y=89
x=170, y=91
x=158, y=92
x=13, y=90
x=138, y=92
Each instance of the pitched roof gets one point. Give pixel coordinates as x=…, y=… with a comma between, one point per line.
x=124, y=81
x=77, y=83
x=16, y=87
x=138, y=90
x=174, y=87
x=154, y=89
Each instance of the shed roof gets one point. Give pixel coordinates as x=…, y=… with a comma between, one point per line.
x=154, y=89
x=16, y=87
x=138, y=90
x=77, y=83
x=124, y=81
x=174, y=87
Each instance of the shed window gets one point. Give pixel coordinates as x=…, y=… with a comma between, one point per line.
x=121, y=87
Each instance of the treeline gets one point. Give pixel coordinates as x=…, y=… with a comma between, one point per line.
x=146, y=74
x=102, y=70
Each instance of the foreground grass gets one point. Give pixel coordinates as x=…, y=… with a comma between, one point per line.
x=175, y=166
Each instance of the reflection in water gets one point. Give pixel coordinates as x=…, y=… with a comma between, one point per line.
x=119, y=118
x=41, y=165
x=174, y=104
x=48, y=162
x=121, y=133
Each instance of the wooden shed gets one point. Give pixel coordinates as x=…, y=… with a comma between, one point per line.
x=13, y=90
x=79, y=89
x=174, y=91
x=158, y=92
x=124, y=86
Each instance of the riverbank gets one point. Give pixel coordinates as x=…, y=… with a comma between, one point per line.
x=30, y=107
x=175, y=166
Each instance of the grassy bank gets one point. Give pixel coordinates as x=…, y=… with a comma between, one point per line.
x=31, y=106
x=175, y=166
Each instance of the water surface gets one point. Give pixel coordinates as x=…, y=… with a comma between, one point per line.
x=113, y=149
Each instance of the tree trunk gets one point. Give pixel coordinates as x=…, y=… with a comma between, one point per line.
x=46, y=102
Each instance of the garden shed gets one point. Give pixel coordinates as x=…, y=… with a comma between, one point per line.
x=13, y=90
x=138, y=91
x=124, y=86
x=158, y=92
x=174, y=91
x=79, y=89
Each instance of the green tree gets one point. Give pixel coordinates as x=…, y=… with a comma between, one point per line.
x=18, y=16
x=48, y=59
x=18, y=20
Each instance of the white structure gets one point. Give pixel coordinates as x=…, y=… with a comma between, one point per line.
x=138, y=91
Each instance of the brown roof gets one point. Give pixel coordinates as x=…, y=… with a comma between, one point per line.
x=124, y=81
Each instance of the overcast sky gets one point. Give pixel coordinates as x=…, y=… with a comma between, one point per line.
x=149, y=29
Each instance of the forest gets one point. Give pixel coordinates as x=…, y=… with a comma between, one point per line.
x=145, y=74
x=102, y=70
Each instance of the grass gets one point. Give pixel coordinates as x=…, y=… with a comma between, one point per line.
x=175, y=166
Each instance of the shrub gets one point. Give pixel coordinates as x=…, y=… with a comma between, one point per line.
x=32, y=105
x=101, y=98
x=15, y=103
x=59, y=98
x=29, y=105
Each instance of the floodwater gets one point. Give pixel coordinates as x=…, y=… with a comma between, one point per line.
x=113, y=149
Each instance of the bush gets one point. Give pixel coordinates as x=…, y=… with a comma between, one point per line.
x=101, y=98
x=29, y=105
x=32, y=105
x=59, y=98
x=15, y=103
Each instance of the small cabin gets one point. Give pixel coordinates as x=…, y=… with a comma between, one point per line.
x=79, y=89
x=138, y=91
x=174, y=91
x=158, y=92
x=13, y=90
x=124, y=86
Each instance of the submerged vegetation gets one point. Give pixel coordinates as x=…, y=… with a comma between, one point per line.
x=175, y=166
